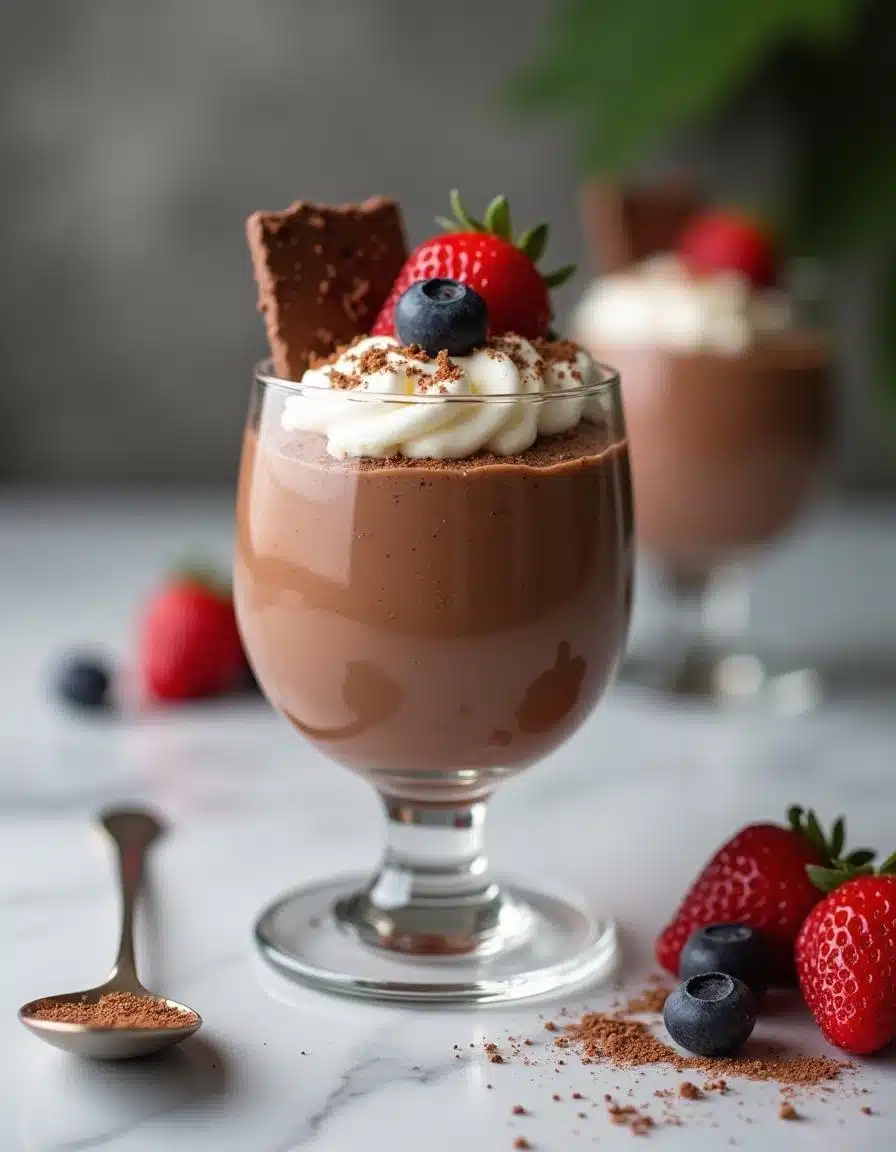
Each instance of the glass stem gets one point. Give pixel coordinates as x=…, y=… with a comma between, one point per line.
x=708, y=612
x=433, y=894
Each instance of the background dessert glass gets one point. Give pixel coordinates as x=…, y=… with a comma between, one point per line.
x=435, y=626
x=726, y=453
x=728, y=444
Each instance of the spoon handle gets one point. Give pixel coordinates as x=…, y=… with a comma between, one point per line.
x=132, y=830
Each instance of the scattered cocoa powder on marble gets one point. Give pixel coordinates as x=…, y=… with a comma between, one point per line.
x=649, y=1001
x=494, y=1056
x=626, y=1115
x=630, y=1043
x=115, y=1010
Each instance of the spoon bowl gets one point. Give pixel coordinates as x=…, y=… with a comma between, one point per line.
x=132, y=831
x=102, y=1043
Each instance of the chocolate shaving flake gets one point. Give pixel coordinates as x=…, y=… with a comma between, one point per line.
x=343, y=381
x=446, y=370
x=373, y=360
x=557, y=351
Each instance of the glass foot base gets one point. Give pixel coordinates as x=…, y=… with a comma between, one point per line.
x=719, y=678
x=304, y=936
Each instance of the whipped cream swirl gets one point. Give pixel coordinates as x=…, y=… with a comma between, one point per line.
x=658, y=303
x=506, y=367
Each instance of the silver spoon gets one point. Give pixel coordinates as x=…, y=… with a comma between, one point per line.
x=132, y=831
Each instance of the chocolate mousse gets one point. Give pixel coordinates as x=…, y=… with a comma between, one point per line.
x=435, y=624
x=727, y=396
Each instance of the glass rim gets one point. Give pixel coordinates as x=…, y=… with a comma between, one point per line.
x=608, y=382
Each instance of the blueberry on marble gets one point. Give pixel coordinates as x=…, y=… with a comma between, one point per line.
x=84, y=681
x=735, y=949
x=711, y=1015
x=441, y=314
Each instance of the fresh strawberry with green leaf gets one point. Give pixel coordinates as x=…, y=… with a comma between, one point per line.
x=189, y=645
x=758, y=878
x=485, y=255
x=846, y=954
x=728, y=241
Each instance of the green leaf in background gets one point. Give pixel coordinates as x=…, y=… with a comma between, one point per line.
x=632, y=71
x=846, y=107
x=844, y=201
x=630, y=74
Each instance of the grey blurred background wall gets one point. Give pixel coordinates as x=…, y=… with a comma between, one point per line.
x=134, y=140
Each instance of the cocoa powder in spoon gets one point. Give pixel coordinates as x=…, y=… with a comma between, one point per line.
x=115, y=1010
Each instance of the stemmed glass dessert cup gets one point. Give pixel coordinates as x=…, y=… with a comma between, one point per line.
x=727, y=454
x=435, y=626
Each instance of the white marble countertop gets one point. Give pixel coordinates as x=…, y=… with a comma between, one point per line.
x=627, y=812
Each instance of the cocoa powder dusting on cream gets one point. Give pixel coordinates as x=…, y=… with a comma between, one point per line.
x=342, y=381
x=373, y=360
x=446, y=370
x=556, y=351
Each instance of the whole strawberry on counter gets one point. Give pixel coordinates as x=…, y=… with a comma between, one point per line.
x=759, y=878
x=189, y=646
x=484, y=255
x=846, y=956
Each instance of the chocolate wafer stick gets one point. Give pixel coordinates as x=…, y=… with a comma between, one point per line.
x=323, y=272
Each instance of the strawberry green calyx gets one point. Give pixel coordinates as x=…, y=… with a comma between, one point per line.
x=856, y=864
x=837, y=868
x=497, y=222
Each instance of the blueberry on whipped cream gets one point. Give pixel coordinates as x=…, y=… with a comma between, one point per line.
x=441, y=314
